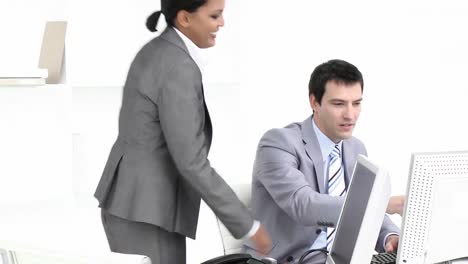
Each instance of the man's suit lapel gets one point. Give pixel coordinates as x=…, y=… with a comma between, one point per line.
x=170, y=35
x=348, y=163
x=312, y=149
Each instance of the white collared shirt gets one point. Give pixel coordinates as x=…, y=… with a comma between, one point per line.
x=326, y=147
x=195, y=52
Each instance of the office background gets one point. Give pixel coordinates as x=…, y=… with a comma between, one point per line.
x=55, y=139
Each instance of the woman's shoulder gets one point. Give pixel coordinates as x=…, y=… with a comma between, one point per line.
x=160, y=56
x=159, y=46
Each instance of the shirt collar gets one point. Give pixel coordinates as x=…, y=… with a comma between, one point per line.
x=194, y=51
x=326, y=144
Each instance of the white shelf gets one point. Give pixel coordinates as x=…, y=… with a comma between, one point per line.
x=22, y=81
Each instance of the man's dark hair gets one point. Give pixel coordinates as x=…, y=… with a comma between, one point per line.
x=333, y=70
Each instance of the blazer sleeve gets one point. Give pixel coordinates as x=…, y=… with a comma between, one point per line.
x=276, y=168
x=388, y=227
x=182, y=117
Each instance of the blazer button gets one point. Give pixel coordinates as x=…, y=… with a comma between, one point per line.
x=318, y=231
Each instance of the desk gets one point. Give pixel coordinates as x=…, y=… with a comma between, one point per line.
x=35, y=140
x=52, y=225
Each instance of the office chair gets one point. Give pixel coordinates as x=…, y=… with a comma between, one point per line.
x=230, y=244
x=232, y=247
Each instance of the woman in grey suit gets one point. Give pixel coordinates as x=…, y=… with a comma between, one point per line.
x=158, y=170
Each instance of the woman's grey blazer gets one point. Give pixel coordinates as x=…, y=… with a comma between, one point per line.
x=158, y=169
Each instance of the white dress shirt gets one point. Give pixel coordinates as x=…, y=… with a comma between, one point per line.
x=326, y=147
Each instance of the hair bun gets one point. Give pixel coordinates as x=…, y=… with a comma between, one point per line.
x=152, y=21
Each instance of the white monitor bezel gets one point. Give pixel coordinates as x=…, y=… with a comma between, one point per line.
x=419, y=248
x=374, y=213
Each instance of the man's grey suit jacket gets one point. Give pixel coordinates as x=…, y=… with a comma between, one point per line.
x=158, y=170
x=288, y=190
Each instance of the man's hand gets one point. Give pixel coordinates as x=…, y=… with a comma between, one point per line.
x=391, y=245
x=396, y=205
x=262, y=240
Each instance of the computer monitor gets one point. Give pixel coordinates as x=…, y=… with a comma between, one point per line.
x=362, y=214
x=435, y=219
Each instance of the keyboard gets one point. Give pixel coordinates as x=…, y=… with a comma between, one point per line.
x=384, y=258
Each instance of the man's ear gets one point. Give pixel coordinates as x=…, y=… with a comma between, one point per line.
x=183, y=18
x=314, y=104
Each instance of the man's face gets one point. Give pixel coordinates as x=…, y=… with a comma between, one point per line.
x=339, y=111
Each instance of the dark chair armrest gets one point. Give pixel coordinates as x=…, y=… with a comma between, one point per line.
x=238, y=258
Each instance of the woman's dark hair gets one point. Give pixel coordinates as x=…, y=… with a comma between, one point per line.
x=170, y=8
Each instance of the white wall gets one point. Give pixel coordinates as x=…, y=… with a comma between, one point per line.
x=412, y=54
x=35, y=142
x=21, y=27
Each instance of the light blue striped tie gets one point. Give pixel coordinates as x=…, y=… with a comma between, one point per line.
x=336, y=184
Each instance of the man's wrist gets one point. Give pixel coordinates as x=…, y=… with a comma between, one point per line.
x=386, y=238
x=253, y=230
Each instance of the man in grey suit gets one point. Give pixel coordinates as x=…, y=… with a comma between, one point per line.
x=158, y=169
x=292, y=187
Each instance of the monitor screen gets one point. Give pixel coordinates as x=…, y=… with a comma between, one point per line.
x=352, y=214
